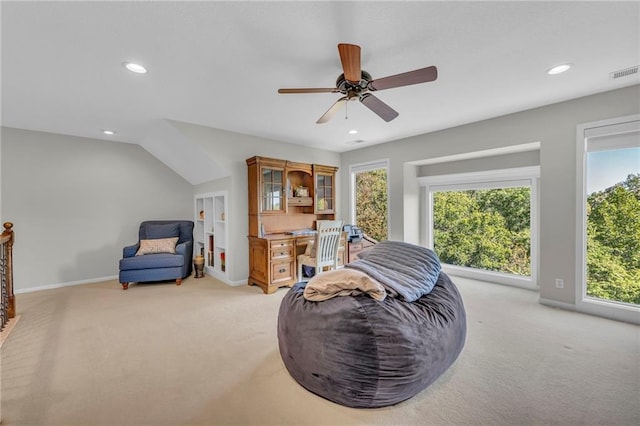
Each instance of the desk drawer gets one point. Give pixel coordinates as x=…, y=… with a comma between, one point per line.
x=355, y=247
x=281, y=271
x=300, y=201
x=282, y=253
x=281, y=249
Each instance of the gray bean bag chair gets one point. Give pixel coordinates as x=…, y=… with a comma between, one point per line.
x=360, y=352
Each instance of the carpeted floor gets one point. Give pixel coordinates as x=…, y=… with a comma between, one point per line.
x=205, y=353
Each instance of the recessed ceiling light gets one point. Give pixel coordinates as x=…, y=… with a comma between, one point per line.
x=353, y=132
x=108, y=132
x=558, y=69
x=137, y=68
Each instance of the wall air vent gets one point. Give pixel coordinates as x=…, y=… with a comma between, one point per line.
x=625, y=72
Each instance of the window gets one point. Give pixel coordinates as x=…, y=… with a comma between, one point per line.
x=484, y=229
x=480, y=224
x=369, y=198
x=609, y=209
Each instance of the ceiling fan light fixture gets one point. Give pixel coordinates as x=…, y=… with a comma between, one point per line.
x=133, y=67
x=559, y=69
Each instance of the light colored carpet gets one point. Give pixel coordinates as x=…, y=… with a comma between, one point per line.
x=8, y=327
x=206, y=353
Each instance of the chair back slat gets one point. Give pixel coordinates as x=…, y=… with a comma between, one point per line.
x=328, y=238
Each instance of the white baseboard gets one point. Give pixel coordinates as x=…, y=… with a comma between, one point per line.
x=598, y=308
x=222, y=278
x=556, y=304
x=97, y=280
x=67, y=284
x=490, y=276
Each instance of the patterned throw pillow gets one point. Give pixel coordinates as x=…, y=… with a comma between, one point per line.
x=160, y=245
x=311, y=249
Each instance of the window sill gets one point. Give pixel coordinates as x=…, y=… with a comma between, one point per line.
x=491, y=276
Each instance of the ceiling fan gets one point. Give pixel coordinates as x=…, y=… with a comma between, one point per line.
x=355, y=83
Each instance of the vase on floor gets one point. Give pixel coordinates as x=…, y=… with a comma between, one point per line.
x=198, y=266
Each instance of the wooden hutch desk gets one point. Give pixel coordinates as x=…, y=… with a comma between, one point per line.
x=285, y=196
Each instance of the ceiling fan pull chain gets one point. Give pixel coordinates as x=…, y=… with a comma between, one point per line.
x=346, y=110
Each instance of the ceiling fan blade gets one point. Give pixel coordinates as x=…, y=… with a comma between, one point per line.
x=423, y=75
x=310, y=90
x=332, y=111
x=376, y=105
x=350, y=58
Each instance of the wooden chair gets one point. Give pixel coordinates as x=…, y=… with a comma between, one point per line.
x=325, y=251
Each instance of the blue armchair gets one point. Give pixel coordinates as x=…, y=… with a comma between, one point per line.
x=159, y=264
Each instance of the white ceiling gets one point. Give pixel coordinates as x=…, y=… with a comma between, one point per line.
x=219, y=64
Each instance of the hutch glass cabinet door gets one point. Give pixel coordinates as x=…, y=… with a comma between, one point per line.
x=324, y=192
x=272, y=190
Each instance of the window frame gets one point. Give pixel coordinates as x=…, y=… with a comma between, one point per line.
x=366, y=167
x=490, y=179
x=584, y=303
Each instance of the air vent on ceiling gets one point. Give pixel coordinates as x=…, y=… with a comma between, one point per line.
x=625, y=72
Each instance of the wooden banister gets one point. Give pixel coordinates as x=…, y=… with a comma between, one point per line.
x=8, y=304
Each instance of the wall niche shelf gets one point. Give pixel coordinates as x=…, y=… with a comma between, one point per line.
x=210, y=232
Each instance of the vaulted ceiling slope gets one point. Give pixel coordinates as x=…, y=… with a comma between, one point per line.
x=220, y=64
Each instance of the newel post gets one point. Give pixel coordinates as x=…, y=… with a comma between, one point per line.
x=11, y=302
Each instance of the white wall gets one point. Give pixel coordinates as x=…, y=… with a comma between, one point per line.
x=554, y=126
x=76, y=202
x=231, y=150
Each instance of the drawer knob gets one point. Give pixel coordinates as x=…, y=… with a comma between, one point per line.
x=282, y=270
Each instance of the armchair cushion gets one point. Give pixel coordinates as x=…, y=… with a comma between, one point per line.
x=152, y=261
x=166, y=230
x=185, y=230
x=160, y=245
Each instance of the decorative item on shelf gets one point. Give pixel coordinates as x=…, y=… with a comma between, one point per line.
x=302, y=191
x=222, y=261
x=201, y=214
x=222, y=217
x=198, y=266
x=210, y=253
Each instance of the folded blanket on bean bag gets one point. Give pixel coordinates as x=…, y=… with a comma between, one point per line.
x=406, y=270
x=342, y=282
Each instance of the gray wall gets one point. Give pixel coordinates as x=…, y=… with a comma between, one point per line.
x=76, y=202
x=554, y=126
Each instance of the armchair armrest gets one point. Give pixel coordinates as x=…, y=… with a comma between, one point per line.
x=130, y=251
x=184, y=248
